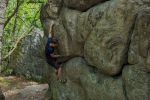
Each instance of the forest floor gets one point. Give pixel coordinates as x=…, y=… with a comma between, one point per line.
x=15, y=88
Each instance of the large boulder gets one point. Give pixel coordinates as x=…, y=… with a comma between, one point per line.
x=102, y=33
x=107, y=45
x=85, y=83
x=136, y=80
x=71, y=36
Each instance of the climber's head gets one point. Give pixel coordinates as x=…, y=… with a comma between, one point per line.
x=55, y=40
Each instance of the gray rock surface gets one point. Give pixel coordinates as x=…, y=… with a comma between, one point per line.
x=137, y=82
x=85, y=83
x=103, y=32
x=106, y=47
x=31, y=92
x=105, y=36
x=140, y=40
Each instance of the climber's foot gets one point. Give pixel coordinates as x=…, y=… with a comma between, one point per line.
x=62, y=81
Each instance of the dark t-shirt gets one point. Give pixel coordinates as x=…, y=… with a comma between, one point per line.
x=49, y=50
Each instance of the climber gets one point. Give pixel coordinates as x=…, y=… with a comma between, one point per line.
x=49, y=52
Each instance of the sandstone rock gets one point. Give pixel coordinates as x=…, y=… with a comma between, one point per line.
x=29, y=58
x=85, y=83
x=82, y=5
x=106, y=47
x=140, y=41
x=136, y=80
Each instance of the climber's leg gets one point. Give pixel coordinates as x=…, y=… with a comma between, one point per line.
x=59, y=73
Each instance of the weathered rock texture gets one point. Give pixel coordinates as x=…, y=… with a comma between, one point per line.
x=140, y=40
x=137, y=82
x=106, y=44
x=86, y=83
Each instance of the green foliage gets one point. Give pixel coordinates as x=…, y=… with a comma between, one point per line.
x=21, y=16
x=8, y=71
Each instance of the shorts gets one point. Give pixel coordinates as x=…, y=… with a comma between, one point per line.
x=53, y=63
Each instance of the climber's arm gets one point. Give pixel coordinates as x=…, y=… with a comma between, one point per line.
x=55, y=55
x=51, y=33
x=53, y=45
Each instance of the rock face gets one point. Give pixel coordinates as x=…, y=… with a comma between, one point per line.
x=106, y=47
x=86, y=83
x=102, y=34
x=136, y=80
x=107, y=36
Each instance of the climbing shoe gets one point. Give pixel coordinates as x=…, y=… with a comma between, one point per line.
x=63, y=81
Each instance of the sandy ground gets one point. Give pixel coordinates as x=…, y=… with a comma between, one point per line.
x=15, y=88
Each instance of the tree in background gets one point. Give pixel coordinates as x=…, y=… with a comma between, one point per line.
x=22, y=16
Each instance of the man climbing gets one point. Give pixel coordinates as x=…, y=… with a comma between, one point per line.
x=49, y=52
